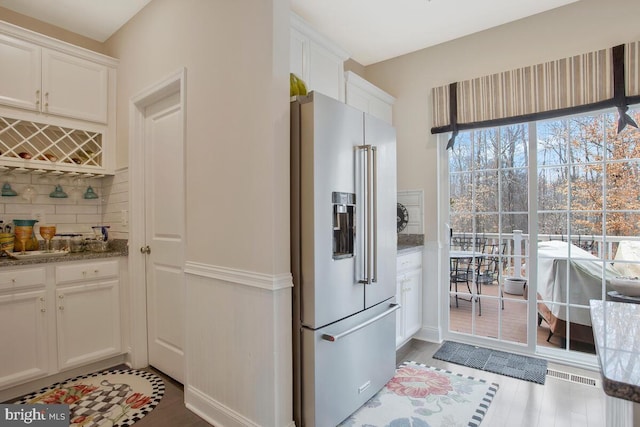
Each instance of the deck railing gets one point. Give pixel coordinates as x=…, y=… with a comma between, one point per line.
x=516, y=246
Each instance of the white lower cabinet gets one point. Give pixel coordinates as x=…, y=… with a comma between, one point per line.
x=88, y=323
x=409, y=295
x=24, y=351
x=88, y=312
x=57, y=316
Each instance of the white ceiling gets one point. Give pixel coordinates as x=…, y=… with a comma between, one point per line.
x=371, y=30
x=375, y=30
x=96, y=19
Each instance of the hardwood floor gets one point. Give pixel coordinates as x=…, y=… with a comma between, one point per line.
x=171, y=411
x=558, y=403
x=520, y=403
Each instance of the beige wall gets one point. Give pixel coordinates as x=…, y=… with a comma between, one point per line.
x=354, y=66
x=50, y=30
x=236, y=56
x=580, y=27
x=583, y=26
x=237, y=119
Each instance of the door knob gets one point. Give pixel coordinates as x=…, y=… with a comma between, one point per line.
x=145, y=249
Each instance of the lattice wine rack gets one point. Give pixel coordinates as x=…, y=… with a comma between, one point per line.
x=47, y=147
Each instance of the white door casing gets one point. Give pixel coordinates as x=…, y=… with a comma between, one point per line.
x=158, y=222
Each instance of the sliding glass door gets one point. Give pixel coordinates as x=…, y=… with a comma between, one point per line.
x=561, y=198
x=488, y=217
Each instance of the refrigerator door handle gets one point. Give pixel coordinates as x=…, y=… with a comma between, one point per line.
x=374, y=210
x=366, y=212
x=392, y=307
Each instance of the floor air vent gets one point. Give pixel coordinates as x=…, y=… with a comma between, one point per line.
x=572, y=377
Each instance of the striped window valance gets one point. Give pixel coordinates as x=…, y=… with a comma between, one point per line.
x=595, y=80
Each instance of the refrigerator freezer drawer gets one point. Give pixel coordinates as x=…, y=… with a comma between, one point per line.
x=346, y=363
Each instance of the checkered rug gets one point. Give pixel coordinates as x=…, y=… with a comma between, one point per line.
x=499, y=362
x=115, y=398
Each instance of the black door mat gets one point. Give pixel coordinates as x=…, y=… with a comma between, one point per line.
x=499, y=362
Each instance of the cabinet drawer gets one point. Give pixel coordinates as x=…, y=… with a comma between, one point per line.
x=14, y=279
x=86, y=271
x=409, y=261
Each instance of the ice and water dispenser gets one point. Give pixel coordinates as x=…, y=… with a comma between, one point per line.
x=344, y=210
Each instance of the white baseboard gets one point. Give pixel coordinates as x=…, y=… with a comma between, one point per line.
x=214, y=412
x=429, y=333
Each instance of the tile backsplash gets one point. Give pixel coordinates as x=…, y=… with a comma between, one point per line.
x=413, y=200
x=71, y=214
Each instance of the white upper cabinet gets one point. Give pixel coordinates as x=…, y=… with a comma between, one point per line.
x=369, y=98
x=57, y=105
x=74, y=87
x=19, y=73
x=52, y=82
x=316, y=59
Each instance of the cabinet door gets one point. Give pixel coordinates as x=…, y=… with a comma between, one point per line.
x=357, y=97
x=88, y=323
x=299, y=45
x=412, y=295
x=23, y=328
x=74, y=87
x=19, y=73
x=326, y=72
x=368, y=98
x=381, y=109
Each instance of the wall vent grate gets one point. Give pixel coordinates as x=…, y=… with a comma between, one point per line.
x=567, y=376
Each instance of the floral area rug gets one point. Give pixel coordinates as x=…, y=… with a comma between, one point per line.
x=114, y=398
x=423, y=396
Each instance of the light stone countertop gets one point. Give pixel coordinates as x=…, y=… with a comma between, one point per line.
x=616, y=329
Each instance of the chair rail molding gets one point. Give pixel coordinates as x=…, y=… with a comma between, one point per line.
x=271, y=282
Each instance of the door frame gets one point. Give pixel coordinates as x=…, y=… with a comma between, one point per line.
x=139, y=355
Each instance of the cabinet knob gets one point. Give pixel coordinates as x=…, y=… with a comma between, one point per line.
x=43, y=310
x=61, y=308
x=145, y=249
x=61, y=296
x=96, y=271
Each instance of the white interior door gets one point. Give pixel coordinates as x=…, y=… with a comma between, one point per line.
x=164, y=215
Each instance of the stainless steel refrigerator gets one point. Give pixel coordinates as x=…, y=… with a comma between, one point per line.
x=343, y=243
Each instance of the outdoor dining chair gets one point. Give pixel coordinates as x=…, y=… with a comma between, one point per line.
x=461, y=271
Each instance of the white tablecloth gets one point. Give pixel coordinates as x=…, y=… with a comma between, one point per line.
x=584, y=275
x=628, y=251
